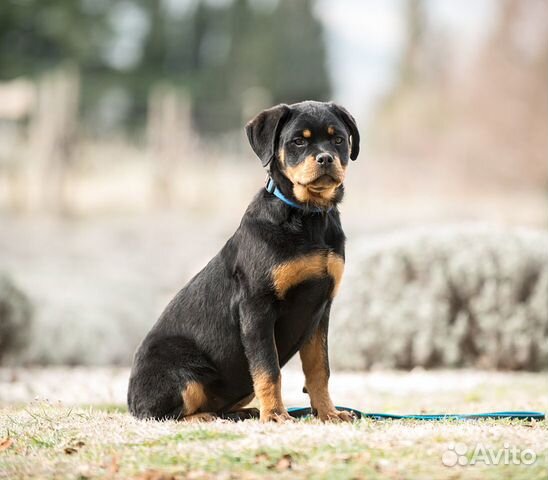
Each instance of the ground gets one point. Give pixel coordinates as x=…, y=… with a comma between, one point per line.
x=78, y=427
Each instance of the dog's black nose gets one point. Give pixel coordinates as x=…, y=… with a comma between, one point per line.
x=324, y=158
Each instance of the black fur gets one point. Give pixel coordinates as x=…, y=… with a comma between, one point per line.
x=219, y=327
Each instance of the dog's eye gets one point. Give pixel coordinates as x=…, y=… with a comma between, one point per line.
x=300, y=142
x=339, y=140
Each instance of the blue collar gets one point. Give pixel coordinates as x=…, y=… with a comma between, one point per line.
x=271, y=187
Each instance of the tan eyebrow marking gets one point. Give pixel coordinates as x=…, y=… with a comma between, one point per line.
x=307, y=133
x=330, y=130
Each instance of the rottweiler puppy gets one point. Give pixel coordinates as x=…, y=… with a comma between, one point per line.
x=267, y=294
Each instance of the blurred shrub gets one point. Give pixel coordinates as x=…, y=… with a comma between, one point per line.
x=453, y=297
x=15, y=319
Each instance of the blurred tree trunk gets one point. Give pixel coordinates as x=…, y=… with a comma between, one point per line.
x=52, y=139
x=410, y=63
x=169, y=133
x=413, y=74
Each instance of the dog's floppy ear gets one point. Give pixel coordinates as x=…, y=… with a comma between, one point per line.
x=350, y=124
x=264, y=130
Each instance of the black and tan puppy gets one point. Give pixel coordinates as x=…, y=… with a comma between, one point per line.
x=267, y=294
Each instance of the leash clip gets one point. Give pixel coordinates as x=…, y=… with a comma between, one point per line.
x=269, y=184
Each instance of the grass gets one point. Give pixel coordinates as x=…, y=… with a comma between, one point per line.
x=41, y=439
x=53, y=441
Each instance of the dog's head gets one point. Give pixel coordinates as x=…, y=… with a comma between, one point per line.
x=307, y=146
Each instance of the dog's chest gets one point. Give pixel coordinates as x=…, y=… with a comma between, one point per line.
x=316, y=265
x=304, y=287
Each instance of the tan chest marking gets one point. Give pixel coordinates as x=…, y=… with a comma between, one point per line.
x=315, y=265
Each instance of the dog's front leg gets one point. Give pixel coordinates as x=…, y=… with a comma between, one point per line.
x=315, y=363
x=257, y=332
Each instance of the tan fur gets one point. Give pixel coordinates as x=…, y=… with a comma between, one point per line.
x=194, y=398
x=303, y=175
x=304, y=172
x=269, y=393
x=200, y=417
x=315, y=265
x=335, y=268
x=320, y=199
x=307, y=133
x=330, y=130
x=281, y=155
x=315, y=367
x=294, y=272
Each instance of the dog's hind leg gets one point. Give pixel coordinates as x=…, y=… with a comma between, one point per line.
x=195, y=404
x=169, y=380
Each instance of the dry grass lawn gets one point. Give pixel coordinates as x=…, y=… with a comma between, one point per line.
x=48, y=439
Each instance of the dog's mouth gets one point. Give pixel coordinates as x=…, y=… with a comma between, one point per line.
x=321, y=183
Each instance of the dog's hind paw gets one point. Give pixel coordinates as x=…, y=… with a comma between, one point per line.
x=200, y=417
x=242, y=414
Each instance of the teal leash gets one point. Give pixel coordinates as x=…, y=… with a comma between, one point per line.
x=300, y=412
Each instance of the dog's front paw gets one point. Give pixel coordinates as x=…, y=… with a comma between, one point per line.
x=279, y=416
x=336, y=416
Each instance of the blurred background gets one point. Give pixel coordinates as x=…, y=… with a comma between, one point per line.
x=124, y=168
